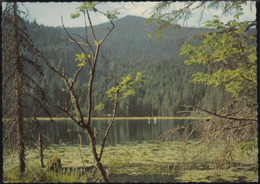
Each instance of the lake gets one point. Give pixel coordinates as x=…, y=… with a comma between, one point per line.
x=132, y=155
x=122, y=131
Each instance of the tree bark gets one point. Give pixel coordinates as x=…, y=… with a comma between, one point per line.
x=18, y=92
x=91, y=135
x=97, y=159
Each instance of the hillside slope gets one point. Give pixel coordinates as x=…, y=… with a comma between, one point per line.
x=129, y=50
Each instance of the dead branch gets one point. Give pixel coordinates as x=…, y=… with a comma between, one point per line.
x=221, y=116
x=57, y=68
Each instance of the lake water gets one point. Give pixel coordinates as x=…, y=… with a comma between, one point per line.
x=122, y=131
x=133, y=156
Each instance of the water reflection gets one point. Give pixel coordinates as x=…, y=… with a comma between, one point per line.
x=122, y=130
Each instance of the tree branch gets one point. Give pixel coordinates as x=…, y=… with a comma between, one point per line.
x=67, y=112
x=75, y=77
x=113, y=26
x=221, y=116
x=109, y=126
x=91, y=27
x=227, y=30
x=41, y=104
x=75, y=42
x=88, y=44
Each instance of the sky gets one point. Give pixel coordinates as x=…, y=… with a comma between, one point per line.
x=49, y=14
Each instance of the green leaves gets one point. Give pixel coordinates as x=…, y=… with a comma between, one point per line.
x=125, y=86
x=74, y=16
x=128, y=93
x=83, y=59
x=98, y=42
x=90, y=6
x=140, y=77
x=228, y=50
x=99, y=107
x=214, y=23
x=112, y=15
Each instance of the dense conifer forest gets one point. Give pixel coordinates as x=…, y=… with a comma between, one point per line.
x=127, y=51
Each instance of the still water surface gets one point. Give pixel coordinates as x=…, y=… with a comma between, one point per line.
x=122, y=130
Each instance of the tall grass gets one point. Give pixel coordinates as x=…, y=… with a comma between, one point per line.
x=36, y=175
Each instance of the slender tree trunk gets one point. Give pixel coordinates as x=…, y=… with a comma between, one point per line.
x=18, y=92
x=97, y=160
x=41, y=150
x=21, y=148
x=92, y=137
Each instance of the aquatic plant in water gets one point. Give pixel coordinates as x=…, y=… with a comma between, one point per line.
x=132, y=160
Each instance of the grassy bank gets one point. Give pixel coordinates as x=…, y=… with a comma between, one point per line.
x=124, y=118
x=35, y=174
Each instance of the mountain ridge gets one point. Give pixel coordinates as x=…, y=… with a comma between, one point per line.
x=129, y=50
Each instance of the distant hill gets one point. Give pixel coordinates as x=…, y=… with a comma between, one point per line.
x=128, y=50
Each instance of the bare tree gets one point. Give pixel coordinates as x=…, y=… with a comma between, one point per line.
x=90, y=47
x=22, y=95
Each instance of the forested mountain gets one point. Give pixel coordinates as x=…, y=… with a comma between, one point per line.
x=129, y=50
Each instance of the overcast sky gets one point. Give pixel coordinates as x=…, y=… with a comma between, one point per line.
x=49, y=14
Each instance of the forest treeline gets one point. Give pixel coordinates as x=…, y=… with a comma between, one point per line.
x=128, y=50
